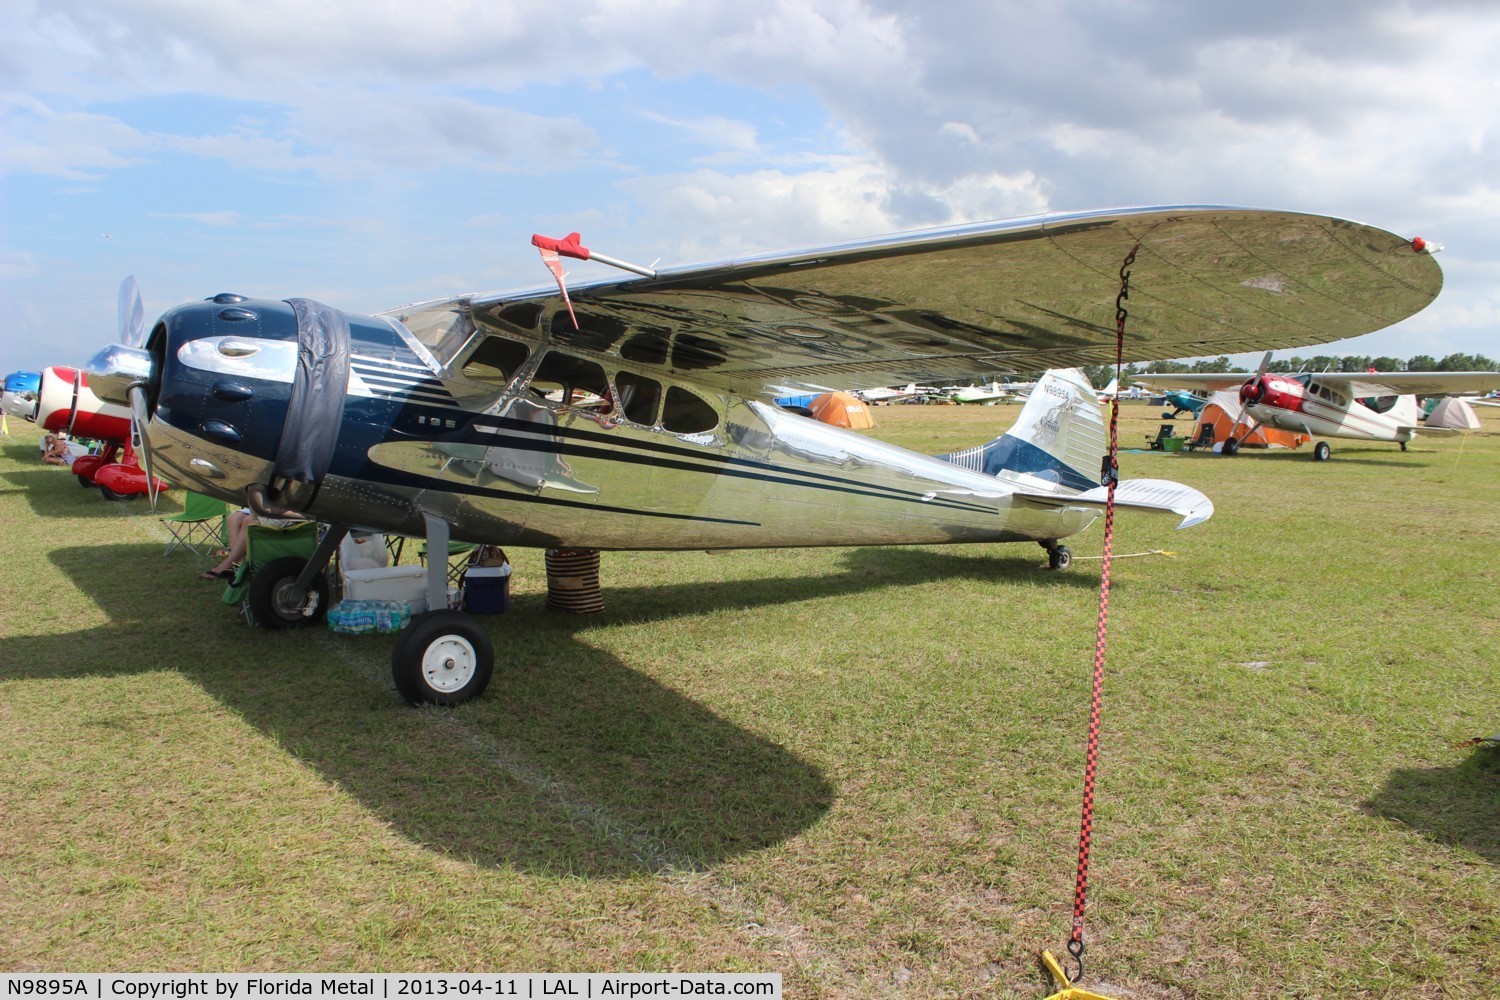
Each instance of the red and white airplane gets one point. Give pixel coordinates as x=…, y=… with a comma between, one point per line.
x=1369, y=406
x=66, y=403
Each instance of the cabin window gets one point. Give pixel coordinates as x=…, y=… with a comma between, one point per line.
x=568, y=381
x=685, y=413
x=639, y=397
x=496, y=360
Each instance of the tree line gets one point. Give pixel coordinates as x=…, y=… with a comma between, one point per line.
x=1456, y=362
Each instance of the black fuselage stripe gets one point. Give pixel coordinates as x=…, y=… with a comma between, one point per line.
x=413, y=480
x=532, y=444
x=698, y=459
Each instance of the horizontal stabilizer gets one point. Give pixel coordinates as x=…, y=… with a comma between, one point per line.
x=1161, y=496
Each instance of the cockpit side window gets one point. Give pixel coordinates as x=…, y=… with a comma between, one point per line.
x=570, y=381
x=685, y=413
x=639, y=397
x=496, y=360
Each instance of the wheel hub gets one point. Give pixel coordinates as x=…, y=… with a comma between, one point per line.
x=449, y=663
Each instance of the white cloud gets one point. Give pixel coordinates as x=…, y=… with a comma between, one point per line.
x=487, y=120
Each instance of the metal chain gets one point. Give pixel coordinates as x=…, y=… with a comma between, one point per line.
x=1110, y=477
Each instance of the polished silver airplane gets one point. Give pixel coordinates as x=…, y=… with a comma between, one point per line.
x=637, y=413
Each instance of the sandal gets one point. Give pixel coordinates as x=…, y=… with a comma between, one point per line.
x=217, y=574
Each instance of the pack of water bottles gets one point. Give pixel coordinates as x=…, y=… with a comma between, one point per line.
x=364, y=617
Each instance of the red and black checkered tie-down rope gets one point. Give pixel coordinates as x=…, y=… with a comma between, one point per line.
x=1110, y=477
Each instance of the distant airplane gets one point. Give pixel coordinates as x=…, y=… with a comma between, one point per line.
x=457, y=418
x=20, y=393
x=1368, y=406
x=1181, y=400
x=890, y=394
x=989, y=392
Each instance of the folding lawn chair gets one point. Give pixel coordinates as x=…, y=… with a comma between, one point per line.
x=1205, y=438
x=201, y=521
x=458, y=560
x=264, y=545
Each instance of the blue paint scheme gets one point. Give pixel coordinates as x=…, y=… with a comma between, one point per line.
x=23, y=382
x=1008, y=452
x=1181, y=400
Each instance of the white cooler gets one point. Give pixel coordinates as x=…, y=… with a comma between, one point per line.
x=388, y=583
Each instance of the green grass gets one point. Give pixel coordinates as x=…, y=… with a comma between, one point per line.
x=860, y=767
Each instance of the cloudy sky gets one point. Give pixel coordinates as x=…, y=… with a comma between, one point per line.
x=370, y=153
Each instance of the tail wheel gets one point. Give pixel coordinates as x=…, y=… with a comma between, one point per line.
x=444, y=658
x=277, y=603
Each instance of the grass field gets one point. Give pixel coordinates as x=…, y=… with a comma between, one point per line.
x=860, y=768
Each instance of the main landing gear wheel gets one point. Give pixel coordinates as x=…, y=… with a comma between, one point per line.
x=444, y=658
x=1321, y=451
x=275, y=601
x=1403, y=445
x=1059, y=557
x=111, y=495
x=1231, y=446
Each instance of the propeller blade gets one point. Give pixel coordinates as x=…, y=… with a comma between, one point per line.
x=77, y=391
x=140, y=416
x=132, y=313
x=1265, y=363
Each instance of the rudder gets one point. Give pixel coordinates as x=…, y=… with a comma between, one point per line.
x=1060, y=435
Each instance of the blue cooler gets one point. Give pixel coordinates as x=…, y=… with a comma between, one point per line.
x=487, y=589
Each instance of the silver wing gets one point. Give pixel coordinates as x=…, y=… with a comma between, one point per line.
x=1362, y=384
x=948, y=304
x=1194, y=383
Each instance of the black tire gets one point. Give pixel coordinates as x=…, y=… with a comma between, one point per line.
x=1403, y=445
x=85, y=482
x=1059, y=558
x=275, y=605
x=443, y=658
x=1321, y=451
x=1231, y=446
x=111, y=495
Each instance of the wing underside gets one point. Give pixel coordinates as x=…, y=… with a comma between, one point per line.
x=994, y=298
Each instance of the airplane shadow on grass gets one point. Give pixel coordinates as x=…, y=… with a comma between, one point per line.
x=1457, y=805
x=572, y=763
x=1303, y=455
x=54, y=491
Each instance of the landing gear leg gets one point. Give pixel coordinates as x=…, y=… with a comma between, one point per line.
x=446, y=657
x=1058, y=556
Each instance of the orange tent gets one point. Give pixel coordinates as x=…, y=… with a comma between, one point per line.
x=841, y=410
x=1220, y=414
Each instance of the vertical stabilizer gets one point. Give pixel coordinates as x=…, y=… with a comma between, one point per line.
x=1060, y=436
